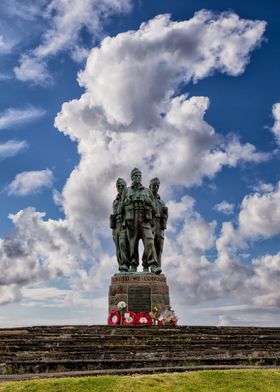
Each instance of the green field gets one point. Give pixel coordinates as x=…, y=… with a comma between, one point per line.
x=199, y=381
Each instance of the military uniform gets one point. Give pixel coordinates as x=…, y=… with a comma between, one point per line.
x=119, y=235
x=138, y=207
x=159, y=225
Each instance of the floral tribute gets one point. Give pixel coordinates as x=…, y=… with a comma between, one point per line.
x=123, y=316
x=144, y=318
x=114, y=318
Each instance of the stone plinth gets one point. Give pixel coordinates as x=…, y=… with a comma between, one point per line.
x=140, y=291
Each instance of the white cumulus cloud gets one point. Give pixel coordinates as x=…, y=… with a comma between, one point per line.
x=33, y=69
x=204, y=265
x=225, y=207
x=29, y=182
x=263, y=187
x=260, y=214
x=129, y=112
x=65, y=21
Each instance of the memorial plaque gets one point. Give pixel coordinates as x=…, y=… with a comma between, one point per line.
x=139, y=299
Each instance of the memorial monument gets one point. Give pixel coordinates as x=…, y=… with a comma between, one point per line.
x=139, y=214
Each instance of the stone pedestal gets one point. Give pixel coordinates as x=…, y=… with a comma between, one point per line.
x=140, y=291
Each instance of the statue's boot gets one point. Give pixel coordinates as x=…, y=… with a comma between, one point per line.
x=133, y=268
x=123, y=268
x=155, y=269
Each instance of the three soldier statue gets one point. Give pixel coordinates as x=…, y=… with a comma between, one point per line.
x=138, y=213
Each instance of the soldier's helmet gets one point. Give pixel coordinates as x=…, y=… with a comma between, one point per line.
x=120, y=181
x=134, y=171
x=155, y=180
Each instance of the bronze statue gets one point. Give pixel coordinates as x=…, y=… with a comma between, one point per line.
x=138, y=208
x=119, y=231
x=159, y=224
x=138, y=213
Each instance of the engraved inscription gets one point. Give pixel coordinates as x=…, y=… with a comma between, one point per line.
x=154, y=279
x=139, y=299
x=120, y=279
x=139, y=278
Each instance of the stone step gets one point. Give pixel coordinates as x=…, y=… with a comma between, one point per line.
x=95, y=339
x=142, y=330
x=141, y=351
x=134, y=353
x=17, y=367
x=118, y=340
x=139, y=348
x=40, y=349
x=230, y=356
x=156, y=334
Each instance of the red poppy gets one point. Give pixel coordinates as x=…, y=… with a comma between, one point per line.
x=114, y=318
x=128, y=318
x=144, y=318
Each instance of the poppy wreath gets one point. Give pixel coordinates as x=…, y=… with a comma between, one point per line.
x=129, y=318
x=114, y=318
x=143, y=318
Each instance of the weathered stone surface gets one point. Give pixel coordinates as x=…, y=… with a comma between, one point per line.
x=96, y=347
x=126, y=285
x=160, y=299
x=118, y=298
x=139, y=298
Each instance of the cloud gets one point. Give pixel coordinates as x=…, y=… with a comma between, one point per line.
x=251, y=316
x=11, y=148
x=29, y=182
x=224, y=207
x=130, y=112
x=5, y=76
x=4, y=46
x=164, y=54
x=260, y=215
x=66, y=21
x=196, y=277
x=33, y=69
x=276, y=126
x=258, y=219
x=19, y=21
x=42, y=293
x=16, y=9
x=39, y=250
x=9, y=293
x=16, y=117
x=185, y=254
x=263, y=187
x=68, y=18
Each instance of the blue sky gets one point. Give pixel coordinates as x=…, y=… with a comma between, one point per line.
x=186, y=91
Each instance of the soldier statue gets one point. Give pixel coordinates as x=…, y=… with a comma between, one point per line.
x=139, y=209
x=161, y=216
x=119, y=231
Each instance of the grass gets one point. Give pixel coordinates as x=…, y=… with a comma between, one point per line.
x=199, y=381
